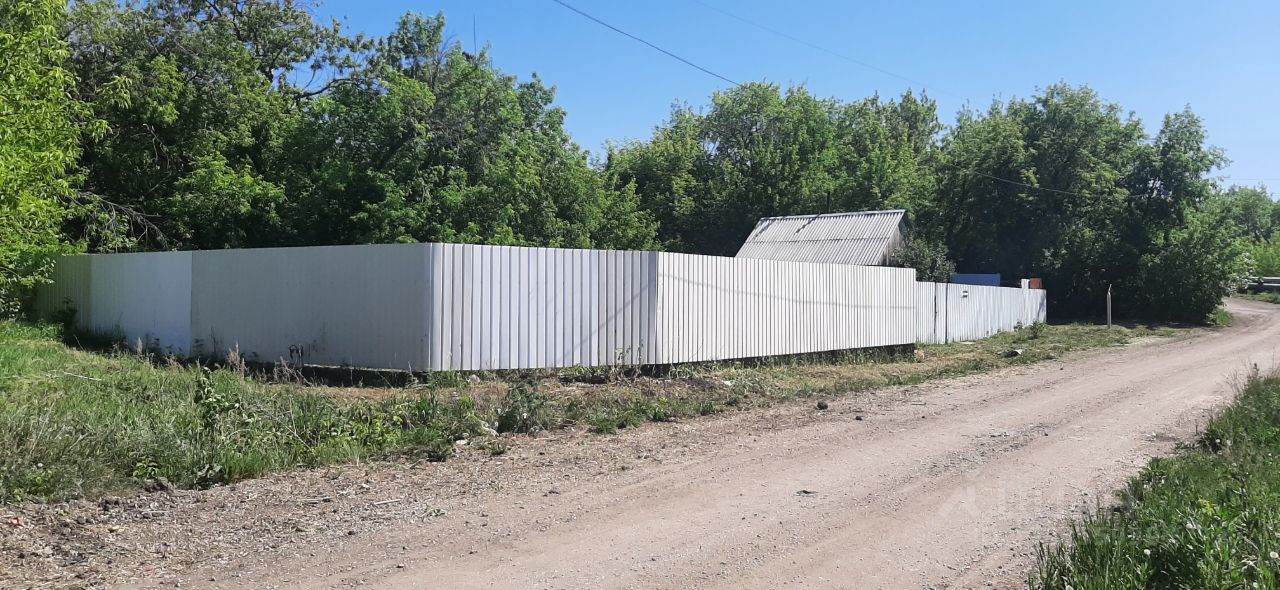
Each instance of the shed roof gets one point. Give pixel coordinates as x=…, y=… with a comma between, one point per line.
x=864, y=238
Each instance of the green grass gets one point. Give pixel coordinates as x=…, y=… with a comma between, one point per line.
x=1220, y=317
x=1208, y=518
x=1267, y=297
x=80, y=424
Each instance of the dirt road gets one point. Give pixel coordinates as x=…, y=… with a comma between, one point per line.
x=948, y=484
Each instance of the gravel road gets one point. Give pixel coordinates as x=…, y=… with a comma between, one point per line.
x=949, y=484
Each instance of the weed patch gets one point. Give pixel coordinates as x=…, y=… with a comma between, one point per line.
x=1208, y=518
x=79, y=424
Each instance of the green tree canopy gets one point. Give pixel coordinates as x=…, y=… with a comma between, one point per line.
x=761, y=152
x=255, y=126
x=39, y=142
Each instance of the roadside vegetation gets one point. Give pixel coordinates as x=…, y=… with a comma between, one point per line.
x=1267, y=297
x=80, y=424
x=1207, y=518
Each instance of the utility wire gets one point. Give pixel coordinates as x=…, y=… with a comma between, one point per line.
x=817, y=47
x=651, y=45
x=876, y=68
x=1031, y=186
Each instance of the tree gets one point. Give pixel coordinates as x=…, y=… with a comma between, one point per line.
x=1027, y=179
x=1186, y=274
x=668, y=175
x=1266, y=257
x=229, y=143
x=930, y=259
x=213, y=83
x=1250, y=208
x=1066, y=187
x=761, y=152
x=38, y=143
x=431, y=143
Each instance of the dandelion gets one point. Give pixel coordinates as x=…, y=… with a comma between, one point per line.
x=1275, y=555
x=1146, y=552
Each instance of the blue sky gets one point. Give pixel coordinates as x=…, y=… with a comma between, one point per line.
x=1152, y=57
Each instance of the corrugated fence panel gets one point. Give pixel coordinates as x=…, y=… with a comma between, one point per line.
x=340, y=305
x=954, y=312
x=714, y=308
x=143, y=297
x=69, y=289
x=524, y=308
x=926, y=312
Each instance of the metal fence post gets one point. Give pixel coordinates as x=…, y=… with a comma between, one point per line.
x=1108, y=307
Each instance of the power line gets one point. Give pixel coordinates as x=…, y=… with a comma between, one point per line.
x=622, y=32
x=825, y=50
x=876, y=68
x=817, y=47
x=1030, y=186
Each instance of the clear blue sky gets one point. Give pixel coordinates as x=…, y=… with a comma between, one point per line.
x=1151, y=56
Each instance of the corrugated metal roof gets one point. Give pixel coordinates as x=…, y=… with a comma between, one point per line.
x=864, y=238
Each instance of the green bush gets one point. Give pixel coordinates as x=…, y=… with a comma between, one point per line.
x=1191, y=270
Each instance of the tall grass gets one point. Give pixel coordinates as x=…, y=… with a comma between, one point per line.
x=1208, y=518
x=75, y=424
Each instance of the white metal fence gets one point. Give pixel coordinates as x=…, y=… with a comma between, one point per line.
x=468, y=307
x=713, y=308
x=948, y=312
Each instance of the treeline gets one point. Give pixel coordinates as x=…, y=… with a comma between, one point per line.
x=1064, y=186
x=184, y=124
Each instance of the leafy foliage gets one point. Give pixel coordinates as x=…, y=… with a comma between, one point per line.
x=38, y=137
x=1266, y=257
x=928, y=258
x=39, y=140
x=760, y=152
x=406, y=138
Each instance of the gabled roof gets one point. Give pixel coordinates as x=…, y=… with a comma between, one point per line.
x=864, y=238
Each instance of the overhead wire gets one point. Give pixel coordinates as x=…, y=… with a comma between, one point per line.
x=651, y=45
x=827, y=50
x=1032, y=186
x=823, y=49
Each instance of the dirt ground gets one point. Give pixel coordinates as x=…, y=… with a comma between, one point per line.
x=949, y=484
